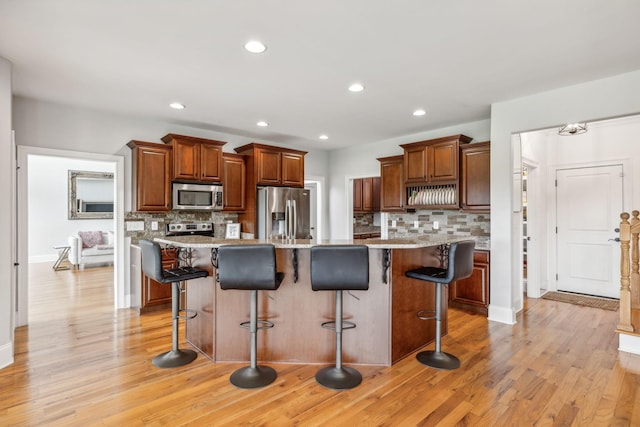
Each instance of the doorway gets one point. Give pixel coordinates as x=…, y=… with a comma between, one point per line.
x=588, y=204
x=314, y=185
x=121, y=296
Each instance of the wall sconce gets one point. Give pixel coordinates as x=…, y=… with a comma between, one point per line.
x=573, y=129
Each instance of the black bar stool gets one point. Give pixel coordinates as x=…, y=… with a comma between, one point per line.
x=250, y=268
x=152, y=267
x=339, y=268
x=460, y=265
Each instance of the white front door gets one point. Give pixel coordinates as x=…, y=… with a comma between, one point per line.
x=588, y=203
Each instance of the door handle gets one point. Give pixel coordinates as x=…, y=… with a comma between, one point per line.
x=617, y=239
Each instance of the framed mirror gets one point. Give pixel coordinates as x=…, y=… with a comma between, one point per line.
x=90, y=195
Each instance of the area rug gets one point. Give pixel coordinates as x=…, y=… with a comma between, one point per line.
x=585, y=300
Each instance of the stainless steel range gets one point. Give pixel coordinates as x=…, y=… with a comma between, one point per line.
x=189, y=228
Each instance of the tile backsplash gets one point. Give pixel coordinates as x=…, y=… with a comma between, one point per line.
x=219, y=220
x=450, y=222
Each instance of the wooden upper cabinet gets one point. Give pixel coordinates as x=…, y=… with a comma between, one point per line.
x=274, y=165
x=234, y=181
x=269, y=166
x=292, y=169
x=195, y=159
x=442, y=159
x=151, y=177
x=367, y=201
x=432, y=161
x=415, y=164
x=366, y=194
x=391, y=184
x=375, y=194
x=357, y=195
x=475, y=184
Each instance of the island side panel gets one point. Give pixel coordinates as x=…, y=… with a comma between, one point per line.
x=294, y=309
x=370, y=341
x=409, y=296
x=297, y=313
x=200, y=296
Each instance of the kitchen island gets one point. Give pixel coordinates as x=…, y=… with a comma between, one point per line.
x=387, y=326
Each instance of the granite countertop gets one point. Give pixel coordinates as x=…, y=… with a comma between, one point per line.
x=204, y=242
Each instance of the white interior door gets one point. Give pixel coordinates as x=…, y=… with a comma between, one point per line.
x=588, y=203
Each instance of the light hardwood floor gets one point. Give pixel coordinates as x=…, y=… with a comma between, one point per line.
x=79, y=363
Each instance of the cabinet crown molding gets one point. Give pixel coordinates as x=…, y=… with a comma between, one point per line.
x=462, y=139
x=170, y=137
x=267, y=147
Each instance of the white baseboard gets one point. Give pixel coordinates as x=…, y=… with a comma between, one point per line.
x=502, y=315
x=629, y=343
x=6, y=355
x=42, y=258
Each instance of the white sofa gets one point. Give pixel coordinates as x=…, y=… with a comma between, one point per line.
x=92, y=250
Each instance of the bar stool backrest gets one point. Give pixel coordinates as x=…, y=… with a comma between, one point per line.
x=152, y=260
x=461, y=256
x=248, y=267
x=340, y=267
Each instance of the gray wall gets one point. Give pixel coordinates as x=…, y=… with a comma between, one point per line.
x=49, y=125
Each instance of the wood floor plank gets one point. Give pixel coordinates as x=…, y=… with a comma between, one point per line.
x=80, y=363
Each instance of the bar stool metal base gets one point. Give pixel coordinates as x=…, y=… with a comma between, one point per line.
x=174, y=358
x=250, y=377
x=338, y=378
x=438, y=360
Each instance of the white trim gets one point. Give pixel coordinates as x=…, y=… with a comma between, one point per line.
x=629, y=343
x=502, y=314
x=121, y=295
x=319, y=182
x=6, y=354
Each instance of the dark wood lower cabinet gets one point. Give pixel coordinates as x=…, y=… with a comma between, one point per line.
x=156, y=296
x=472, y=293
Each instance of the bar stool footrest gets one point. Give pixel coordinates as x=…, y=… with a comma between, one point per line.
x=262, y=324
x=332, y=325
x=438, y=360
x=188, y=314
x=249, y=377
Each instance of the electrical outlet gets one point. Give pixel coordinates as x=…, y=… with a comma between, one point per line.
x=436, y=225
x=154, y=225
x=394, y=223
x=135, y=225
x=416, y=224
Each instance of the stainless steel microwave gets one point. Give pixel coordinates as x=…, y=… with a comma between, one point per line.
x=197, y=197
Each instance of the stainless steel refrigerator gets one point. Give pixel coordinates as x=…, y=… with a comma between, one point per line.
x=283, y=213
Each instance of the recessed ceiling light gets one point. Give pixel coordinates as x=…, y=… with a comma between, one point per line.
x=177, y=105
x=419, y=113
x=356, y=87
x=262, y=123
x=323, y=137
x=254, y=46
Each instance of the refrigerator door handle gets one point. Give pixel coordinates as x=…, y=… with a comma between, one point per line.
x=294, y=219
x=287, y=219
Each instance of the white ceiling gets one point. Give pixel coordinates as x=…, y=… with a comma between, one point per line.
x=452, y=58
